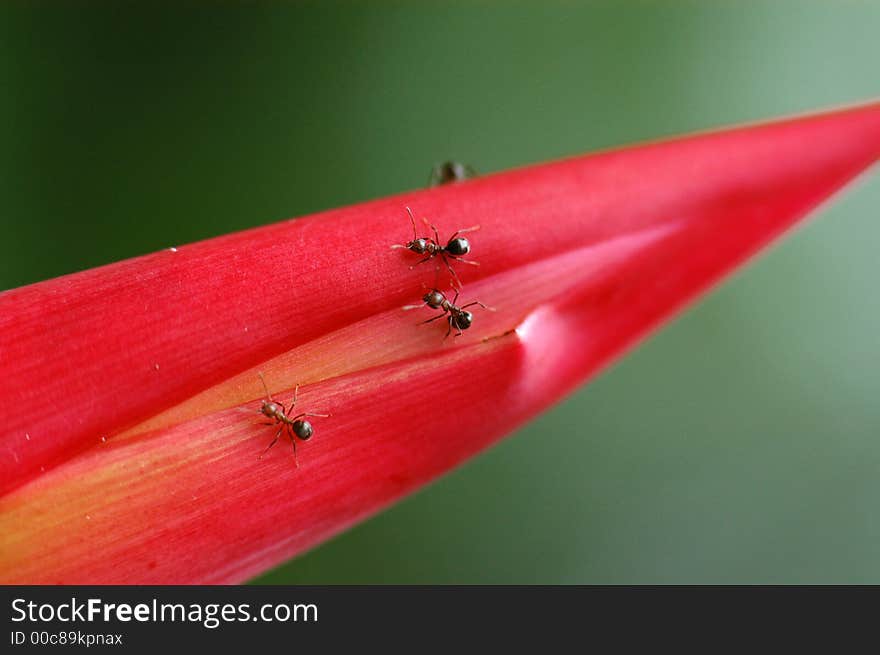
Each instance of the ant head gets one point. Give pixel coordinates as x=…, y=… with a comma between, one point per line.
x=462, y=320
x=269, y=408
x=418, y=245
x=303, y=429
x=434, y=298
x=458, y=246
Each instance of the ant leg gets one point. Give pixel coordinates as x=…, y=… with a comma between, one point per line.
x=274, y=441
x=456, y=282
x=293, y=443
x=477, y=302
x=310, y=414
x=422, y=261
x=281, y=405
x=465, y=261
x=412, y=220
x=433, y=319
x=293, y=402
x=406, y=308
x=436, y=234
x=465, y=231
x=456, y=297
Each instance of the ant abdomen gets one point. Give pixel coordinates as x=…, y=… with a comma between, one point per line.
x=461, y=320
x=458, y=246
x=303, y=430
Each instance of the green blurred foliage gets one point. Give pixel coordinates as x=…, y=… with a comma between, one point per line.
x=740, y=444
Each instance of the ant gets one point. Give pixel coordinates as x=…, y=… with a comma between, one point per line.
x=455, y=248
x=294, y=426
x=458, y=317
x=450, y=171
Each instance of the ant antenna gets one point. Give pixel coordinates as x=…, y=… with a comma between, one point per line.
x=413, y=221
x=268, y=395
x=415, y=235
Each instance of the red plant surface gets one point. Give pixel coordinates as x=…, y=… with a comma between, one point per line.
x=125, y=458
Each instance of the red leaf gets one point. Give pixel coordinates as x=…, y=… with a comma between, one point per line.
x=580, y=257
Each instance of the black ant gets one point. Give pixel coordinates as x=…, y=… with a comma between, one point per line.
x=450, y=171
x=458, y=317
x=294, y=426
x=455, y=248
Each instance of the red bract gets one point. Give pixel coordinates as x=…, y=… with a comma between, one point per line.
x=124, y=453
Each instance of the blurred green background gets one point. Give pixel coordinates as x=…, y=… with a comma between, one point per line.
x=740, y=444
